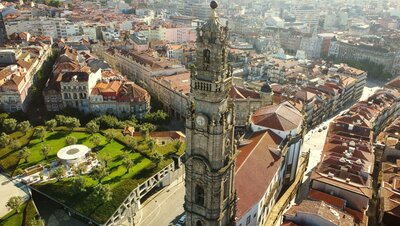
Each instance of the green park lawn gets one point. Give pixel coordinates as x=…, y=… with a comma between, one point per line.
x=13, y=218
x=24, y=217
x=121, y=181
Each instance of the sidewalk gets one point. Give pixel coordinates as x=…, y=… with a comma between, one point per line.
x=7, y=190
x=163, y=207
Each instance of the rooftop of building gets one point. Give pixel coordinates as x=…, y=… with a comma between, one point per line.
x=283, y=117
x=148, y=58
x=359, y=217
x=390, y=188
x=322, y=210
x=257, y=163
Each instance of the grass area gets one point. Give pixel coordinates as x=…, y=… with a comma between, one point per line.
x=24, y=217
x=13, y=218
x=121, y=181
x=30, y=213
x=8, y=158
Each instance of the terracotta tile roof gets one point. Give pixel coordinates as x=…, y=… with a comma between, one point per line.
x=360, y=218
x=282, y=117
x=131, y=92
x=330, y=199
x=360, y=189
x=394, y=84
x=237, y=92
x=52, y=84
x=257, y=164
x=390, y=189
x=107, y=88
x=24, y=64
x=6, y=72
x=80, y=76
x=179, y=82
x=305, y=95
x=289, y=223
x=325, y=211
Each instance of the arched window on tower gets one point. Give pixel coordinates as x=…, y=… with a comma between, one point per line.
x=206, y=56
x=199, y=195
x=198, y=223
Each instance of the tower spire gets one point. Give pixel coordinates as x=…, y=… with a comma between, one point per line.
x=210, y=150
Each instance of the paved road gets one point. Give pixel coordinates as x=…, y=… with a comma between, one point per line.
x=9, y=189
x=163, y=209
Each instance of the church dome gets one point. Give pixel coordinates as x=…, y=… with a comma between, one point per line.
x=266, y=88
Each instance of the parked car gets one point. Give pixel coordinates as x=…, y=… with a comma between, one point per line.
x=324, y=127
x=320, y=130
x=182, y=220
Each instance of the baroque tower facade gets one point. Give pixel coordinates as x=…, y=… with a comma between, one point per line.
x=210, y=198
x=3, y=32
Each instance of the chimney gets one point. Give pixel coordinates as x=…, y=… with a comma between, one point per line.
x=343, y=172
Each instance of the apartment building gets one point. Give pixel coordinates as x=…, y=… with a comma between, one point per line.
x=18, y=67
x=342, y=181
x=268, y=158
x=78, y=83
x=43, y=26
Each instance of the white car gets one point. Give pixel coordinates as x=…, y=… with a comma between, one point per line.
x=182, y=220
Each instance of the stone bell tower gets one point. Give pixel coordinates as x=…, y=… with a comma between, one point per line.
x=210, y=198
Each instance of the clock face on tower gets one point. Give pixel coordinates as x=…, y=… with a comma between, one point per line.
x=200, y=120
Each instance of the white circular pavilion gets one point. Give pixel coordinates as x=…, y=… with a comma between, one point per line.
x=73, y=154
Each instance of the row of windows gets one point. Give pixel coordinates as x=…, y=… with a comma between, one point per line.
x=73, y=87
x=75, y=96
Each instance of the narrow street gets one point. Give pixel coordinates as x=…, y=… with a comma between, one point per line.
x=163, y=208
x=314, y=142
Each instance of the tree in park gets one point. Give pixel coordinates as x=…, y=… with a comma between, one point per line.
x=110, y=135
x=37, y=222
x=80, y=169
x=61, y=120
x=51, y=124
x=24, y=153
x=4, y=139
x=70, y=140
x=79, y=183
x=158, y=158
x=45, y=150
x=15, y=145
x=59, y=173
x=15, y=203
x=106, y=158
x=158, y=117
x=151, y=144
x=3, y=116
x=9, y=124
x=103, y=192
x=92, y=127
x=99, y=172
x=96, y=140
x=40, y=133
x=24, y=126
x=19, y=171
x=127, y=162
x=132, y=144
x=72, y=123
x=144, y=132
x=178, y=145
